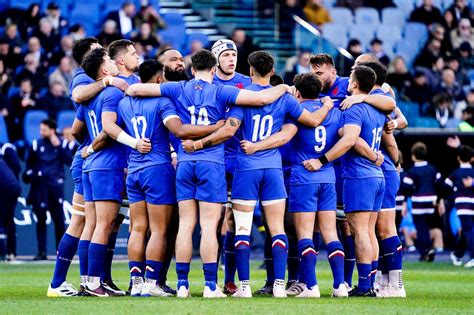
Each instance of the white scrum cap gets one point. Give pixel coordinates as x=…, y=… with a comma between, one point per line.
x=222, y=45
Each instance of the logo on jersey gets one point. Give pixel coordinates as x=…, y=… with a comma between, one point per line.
x=198, y=87
x=239, y=85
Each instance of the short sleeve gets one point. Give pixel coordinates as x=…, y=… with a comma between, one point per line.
x=111, y=99
x=227, y=95
x=170, y=90
x=293, y=108
x=80, y=79
x=237, y=112
x=353, y=116
x=80, y=114
x=167, y=110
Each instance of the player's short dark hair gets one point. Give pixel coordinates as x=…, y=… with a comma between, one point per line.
x=203, y=60
x=82, y=47
x=420, y=151
x=117, y=47
x=365, y=77
x=465, y=153
x=261, y=61
x=276, y=80
x=148, y=69
x=93, y=61
x=379, y=69
x=51, y=123
x=308, y=85
x=321, y=59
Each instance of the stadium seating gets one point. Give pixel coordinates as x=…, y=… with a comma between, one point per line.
x=341, y=16
x=367, y=16
x=3, y=130
x=389, y=34
x=364, y=33
x=336, y=34
x=415, y=33
x=22, y=4
x=65, y=119
x=31, y=124
x=426, y=122
x=393, y=17
x=197, y=36
x=408, y=50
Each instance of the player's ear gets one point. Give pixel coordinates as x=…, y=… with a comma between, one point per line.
x=193, y=71
x=298, y=94
x=251, y=72
x=272, y=72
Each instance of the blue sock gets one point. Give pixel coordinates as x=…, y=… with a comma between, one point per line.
x=364, y=276
x=182, y=270
x=268, y=258
x=393, y=255
x=66, y=250
x=164, y=271
x=336, y=261
x=210, y=275
x=317, y=241
x=83, y=252
x=229, y=257
x=109, y=256
x=309, y=258
x=373, y=272
x=242, y=256
x=96, y=259
x=135, y=268
x=153, y=268
x=349, y=261
x=293, y=259
x=280, y=255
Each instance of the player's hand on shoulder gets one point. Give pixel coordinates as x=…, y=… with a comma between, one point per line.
x=290, y=89
x=188, y=146
x=352, y=100
x=380, y=158
x=327, y=101
x=119, y=83
x=390, y=126
x=312, y=165
x=144, y=145
x=248, y=147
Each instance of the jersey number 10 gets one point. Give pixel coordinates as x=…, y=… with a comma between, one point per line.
x=203, y=117
x=261, y=128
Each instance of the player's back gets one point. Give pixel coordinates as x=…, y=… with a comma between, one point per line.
x=261, y=122
x=142, y=118
x=312, y=143
x=113, y=155
x=238, y=80
x=371, y=122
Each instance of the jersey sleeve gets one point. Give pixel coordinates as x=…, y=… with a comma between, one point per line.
x=80, y=114
x=78, y=80
x=170, y=90
x=293, y=108
x=353, y=116
x=228, y=94
x=167, y=110
x=237, y=112
x=111, y=99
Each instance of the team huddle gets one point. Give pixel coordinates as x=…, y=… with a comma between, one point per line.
x=319, y=158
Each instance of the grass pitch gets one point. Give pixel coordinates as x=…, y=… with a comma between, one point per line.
x=431, y=288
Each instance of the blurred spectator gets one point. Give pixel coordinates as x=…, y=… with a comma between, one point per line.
x=140, y=52
x=32, y=71
x=10, y=59
x=379, y=4
x=398, y=75
x=467, y=124
x=109, y=33
x=13, y=38
x=427, y=13
x=287, y=10
x=462, y=34
x=196, y=45
x=77, y=32
x=354, y=47
x=351, y=4
x=450, y=86
x=376, y=48
x=431, y=51
x=301, y=66
x=53, y=15
x=437, y=31
x=316, y=13
x=20, y=103
x=244, y=48
x=442, y=108
x=457, y=11
x=146, y=38
x=149, y=15
x=34, y=48
x=55, y=100
x=124, y=18
x=419, y=92
x=65, y=50
x=30, y=20
x=461, y=74
x=5, y=85
x=467, y=103
x=63, y=74
x=435, y=72
x=45, y=33
x=465, y=57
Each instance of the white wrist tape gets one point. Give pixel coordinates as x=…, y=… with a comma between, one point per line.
x=243, y=222
x=395, y=122
x=90, y=150
x=124, y=138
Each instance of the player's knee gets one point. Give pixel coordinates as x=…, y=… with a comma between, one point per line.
x=243, y=222
x=140, y=227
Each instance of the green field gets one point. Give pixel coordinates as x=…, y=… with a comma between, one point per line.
x=431, y=288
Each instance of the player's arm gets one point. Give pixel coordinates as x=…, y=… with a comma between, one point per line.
x=351, y=133
x=388, y=140
x=109, y=124
x=276, y=140
x=316, y=118
x=381, y=102
x=144, y=90
x=263, y=97
x=400, y=121
x=98, y=144
x=83, y=93
x=222, y=134
x=78, y=130
x=189, y=131
x=363, y=149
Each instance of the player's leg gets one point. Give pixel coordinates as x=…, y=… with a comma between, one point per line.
x=170, y=249
x=293, y=287
x=467, y=224
x=423, y=235
x=229, y=249
x=136, y=244
x=375, y=247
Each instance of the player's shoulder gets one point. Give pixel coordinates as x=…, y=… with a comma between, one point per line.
x=112, y=91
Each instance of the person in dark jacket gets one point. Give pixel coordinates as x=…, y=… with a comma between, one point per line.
x=9, y=190
x=45, y=172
